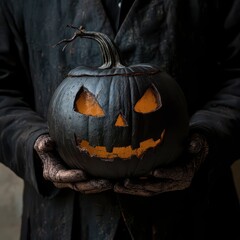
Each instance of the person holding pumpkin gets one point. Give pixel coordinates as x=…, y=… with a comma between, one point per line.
x=197, y=44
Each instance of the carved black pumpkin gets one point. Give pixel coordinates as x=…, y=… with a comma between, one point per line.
x=117, y=121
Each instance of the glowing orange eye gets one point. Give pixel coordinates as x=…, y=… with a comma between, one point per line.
x=87, y=104
x=149, y=102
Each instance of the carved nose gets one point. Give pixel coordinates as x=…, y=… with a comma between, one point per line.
x=121, y=121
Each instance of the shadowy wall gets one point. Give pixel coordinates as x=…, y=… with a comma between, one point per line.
x=11, y=187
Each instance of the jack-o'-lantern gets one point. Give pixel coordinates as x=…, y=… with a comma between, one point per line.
x=117, y=121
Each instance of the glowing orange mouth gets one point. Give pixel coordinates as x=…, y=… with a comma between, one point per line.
x=119, y=152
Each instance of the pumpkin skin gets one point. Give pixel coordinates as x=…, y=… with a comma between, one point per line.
x=118, y=122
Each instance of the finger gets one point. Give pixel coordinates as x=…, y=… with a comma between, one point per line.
x=64, y=176
x=49, y=158
x=150, y=188
x=54, y=171
x=164, y=185
x=84, y=187
x=170, y=173
x=93, y=186
x=118, y=188
x=197, y=144
x=180, y=173
x=44, y=143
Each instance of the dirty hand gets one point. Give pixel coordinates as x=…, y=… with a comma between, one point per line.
x=172, y=178
x=56, y=172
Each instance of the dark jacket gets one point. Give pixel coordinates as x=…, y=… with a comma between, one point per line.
x=197, y=42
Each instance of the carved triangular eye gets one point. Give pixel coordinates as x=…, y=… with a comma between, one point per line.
x=86, y=103
x=149, y=102
x=121, y=121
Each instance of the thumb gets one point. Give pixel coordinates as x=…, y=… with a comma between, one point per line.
x=197, y=144
x=44, y=143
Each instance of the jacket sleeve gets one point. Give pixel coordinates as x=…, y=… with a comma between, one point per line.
x=220, y=117
x=20, y=125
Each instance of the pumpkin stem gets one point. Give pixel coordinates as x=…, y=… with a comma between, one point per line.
x=110, y=54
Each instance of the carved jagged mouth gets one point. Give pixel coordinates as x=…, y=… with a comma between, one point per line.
x=119, y=152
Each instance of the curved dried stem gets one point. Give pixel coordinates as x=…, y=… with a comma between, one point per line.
x=110, y=54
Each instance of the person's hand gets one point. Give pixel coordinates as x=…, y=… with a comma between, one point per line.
x=172, y=178
x=56, y=172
